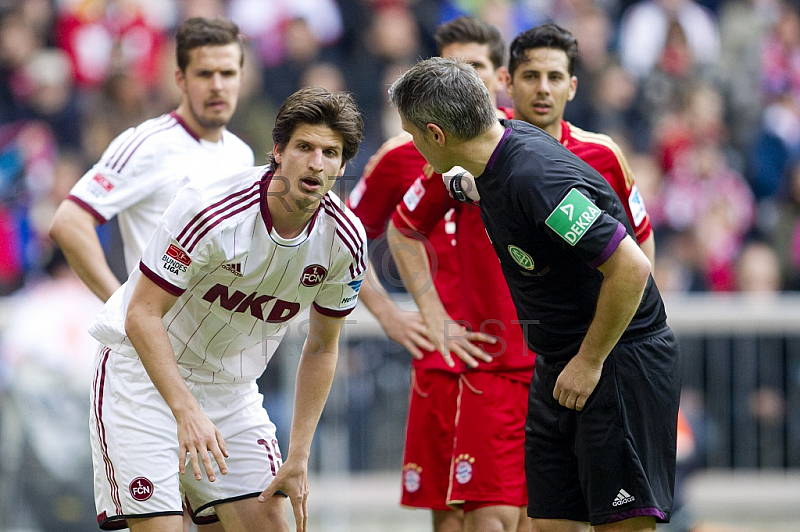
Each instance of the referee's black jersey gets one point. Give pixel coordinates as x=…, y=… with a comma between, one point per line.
x=552, y=220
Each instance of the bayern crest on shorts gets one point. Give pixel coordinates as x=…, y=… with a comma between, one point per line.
x=412, y=479
x=463, y=469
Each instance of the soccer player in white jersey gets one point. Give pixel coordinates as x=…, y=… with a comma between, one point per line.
x=143, y=167
x=176, y=412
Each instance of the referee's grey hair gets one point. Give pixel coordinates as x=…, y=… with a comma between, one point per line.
x=445, y=92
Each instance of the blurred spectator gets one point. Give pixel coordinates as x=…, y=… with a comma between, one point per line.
x=19, y=42
x=706, y=197
x=743, y=25
x=100, y=36
x=270, y=24
x=28, y=154
x=593, y=30
x=776, y=144
x=758, y=270
x=778, y=139
x=44, y=91
x=786, y=233
x=647, y=27
x=780, y=56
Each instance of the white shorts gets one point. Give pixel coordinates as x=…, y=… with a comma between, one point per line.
x=135, y=446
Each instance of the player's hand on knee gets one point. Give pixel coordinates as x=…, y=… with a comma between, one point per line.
x=576, y=382
x=291, y=480
x=201, y=440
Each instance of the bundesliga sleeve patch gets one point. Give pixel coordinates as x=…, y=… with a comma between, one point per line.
x=636, y=204
x=414, y=194
x=175, y=260
x=573, y=216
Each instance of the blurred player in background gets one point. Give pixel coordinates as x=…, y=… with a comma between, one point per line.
x=449, y=466
x=229, y=264
x=143, y=168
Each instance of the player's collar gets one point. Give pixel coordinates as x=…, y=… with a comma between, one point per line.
x=265, y=214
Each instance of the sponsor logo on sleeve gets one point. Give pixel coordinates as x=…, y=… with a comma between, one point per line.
x=175, y=260
x=313, y=275
x=573, y=217
x=636, y=204
x=349, y=299
x=100, y=185
x=414, y=194
x=355, y=285
x=520, y=257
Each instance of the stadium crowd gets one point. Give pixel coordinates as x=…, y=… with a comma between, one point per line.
x=703, y=96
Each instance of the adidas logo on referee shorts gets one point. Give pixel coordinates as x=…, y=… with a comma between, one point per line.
x=623, y=497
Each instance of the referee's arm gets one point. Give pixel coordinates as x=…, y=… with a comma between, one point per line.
x=625, y=276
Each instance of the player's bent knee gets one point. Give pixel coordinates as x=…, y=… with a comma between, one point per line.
x=249, y=515
x=162, y=523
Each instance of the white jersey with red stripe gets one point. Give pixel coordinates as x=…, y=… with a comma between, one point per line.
x=238, y=282
x=143, y=168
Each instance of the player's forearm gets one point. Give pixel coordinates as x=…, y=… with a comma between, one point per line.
x=75, y=234
x=649, y=249
x=377, y=299
x=314, y=379
x=625, y=277
x=412, y=264
x=149, y=337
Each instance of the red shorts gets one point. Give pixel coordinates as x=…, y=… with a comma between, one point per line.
x=465, y=441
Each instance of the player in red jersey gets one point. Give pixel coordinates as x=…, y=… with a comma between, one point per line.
x=541, y=70
x=430, y=465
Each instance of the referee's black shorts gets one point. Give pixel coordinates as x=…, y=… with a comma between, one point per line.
x=616, y=458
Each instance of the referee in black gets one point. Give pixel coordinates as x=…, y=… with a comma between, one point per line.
x=603, y=406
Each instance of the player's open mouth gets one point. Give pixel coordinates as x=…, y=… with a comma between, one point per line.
x=311, y=183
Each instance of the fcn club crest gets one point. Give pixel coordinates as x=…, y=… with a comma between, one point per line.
x=141, y=489
x=313, y=275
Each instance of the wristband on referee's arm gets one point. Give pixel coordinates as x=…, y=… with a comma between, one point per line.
x=457, y=191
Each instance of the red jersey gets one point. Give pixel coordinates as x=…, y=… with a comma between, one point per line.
x=604, y=155
x=485, y=298
x=393, y=172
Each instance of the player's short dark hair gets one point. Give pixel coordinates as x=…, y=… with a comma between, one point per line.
x=318, y=106
x=547, y=35
x=445, y=92
x=199, y=31
x=464, y=30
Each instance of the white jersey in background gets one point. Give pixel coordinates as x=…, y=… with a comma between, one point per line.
x=143, y=168
x=238, y=281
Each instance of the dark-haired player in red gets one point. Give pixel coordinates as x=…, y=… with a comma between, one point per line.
x=434, y=476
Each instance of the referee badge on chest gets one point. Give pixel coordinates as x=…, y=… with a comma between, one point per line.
x=521, y=257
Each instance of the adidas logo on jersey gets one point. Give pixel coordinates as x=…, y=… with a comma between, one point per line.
x=235, y=268
x=623, y=497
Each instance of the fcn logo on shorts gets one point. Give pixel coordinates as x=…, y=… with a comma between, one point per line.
x=141, y=489
x=313, y=275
